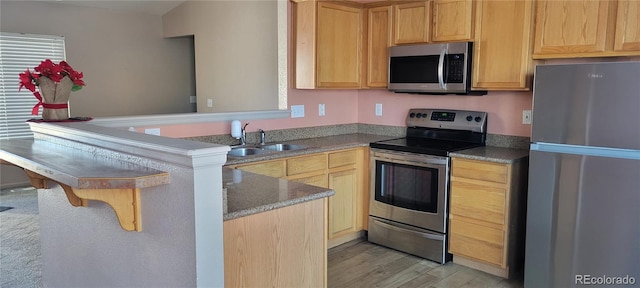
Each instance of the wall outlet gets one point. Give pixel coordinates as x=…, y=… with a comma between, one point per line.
x=526, y=116
x=152, y=131
x=209, y=102
x=297, y=111
x=192, y=99
x=378, y=109
x=320, y=109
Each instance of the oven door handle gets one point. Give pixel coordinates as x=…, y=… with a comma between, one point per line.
x=394, y=228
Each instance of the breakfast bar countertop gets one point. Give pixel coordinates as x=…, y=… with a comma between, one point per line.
x=248, y=193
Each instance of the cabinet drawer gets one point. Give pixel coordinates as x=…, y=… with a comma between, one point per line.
x=306, y=164
x=476, y=241
x=271, y=168
x=479, y=170
x=343, y=158
x=477, y=201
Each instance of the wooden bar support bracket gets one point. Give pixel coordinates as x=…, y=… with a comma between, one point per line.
x=125, y=202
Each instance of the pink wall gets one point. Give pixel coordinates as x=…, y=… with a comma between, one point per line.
x=504, y=108
x=357, y=106
x=341, y=108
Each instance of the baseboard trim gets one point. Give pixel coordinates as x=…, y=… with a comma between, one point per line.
x=344, y=239
x=484, y=267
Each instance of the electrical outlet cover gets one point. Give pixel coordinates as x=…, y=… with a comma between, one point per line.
x=378, y=109
x=297, y=111
x=526, y=116
x=152, y=131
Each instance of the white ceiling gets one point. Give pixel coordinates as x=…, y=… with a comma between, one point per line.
x=155, y=7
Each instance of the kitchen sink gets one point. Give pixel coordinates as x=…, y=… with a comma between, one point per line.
x=243, y=151
x=283, y=147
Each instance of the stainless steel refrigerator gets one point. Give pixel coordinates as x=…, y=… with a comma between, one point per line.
x=583, y=209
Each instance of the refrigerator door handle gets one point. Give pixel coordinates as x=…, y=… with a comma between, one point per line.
x=586, y=150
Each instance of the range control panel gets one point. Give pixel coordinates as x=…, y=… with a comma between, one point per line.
x=447, y=119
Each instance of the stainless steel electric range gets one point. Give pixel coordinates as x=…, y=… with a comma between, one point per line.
x=410, y=180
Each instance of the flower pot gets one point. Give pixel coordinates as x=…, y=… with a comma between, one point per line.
x=55, y=98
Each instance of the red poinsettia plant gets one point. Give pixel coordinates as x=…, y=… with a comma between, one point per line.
x=54, y=72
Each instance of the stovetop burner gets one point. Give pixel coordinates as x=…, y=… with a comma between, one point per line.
x=439, y=132
x=423, y=146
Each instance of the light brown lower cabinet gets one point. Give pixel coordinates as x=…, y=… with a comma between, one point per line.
x=344, y=171
x=284, y=247
x=487, y=215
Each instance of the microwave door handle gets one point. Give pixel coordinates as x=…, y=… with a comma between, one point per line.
x=443, y=52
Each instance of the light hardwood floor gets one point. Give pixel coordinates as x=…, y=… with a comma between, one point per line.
x=363, y=264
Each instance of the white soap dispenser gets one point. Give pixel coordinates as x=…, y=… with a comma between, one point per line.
x=236, y=129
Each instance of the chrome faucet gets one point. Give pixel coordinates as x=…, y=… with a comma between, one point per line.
x=243, y=138
x=262, y=136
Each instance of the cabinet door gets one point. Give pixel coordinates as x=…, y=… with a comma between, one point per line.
x=452, y=20
x=501, y=57
x=342, y=206
x=304, y=36
x=378, y=42
x=338, y=46
x=411, y=22
x=567, y=27
x=628, y=26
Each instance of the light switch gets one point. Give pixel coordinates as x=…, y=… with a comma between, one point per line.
x=320, y=109
x=378, y=109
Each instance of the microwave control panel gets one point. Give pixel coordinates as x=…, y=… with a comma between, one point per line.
x=455, y=68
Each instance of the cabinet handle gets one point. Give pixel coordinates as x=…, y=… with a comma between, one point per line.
x=424, y=235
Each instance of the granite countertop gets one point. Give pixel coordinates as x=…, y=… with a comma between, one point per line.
x=78, y=169
x=315, y=145
x=248, y=193
x=492, y=154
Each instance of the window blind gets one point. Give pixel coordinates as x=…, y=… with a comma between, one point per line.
x=17, y=53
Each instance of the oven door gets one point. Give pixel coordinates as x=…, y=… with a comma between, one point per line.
x=410, y=188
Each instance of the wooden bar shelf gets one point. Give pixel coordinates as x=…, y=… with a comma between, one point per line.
x=84, y=177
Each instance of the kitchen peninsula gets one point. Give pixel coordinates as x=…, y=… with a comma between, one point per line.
x=173, y=192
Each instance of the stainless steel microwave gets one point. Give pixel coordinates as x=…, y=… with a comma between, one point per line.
x=432, y=69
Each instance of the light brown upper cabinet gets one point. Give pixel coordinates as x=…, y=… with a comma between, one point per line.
x=328, y=44
x=502, y=58
x=628, y=26
x=586, y=28
x=411, y=22
x=452, y=20
x=432, y=21
x=379, y=20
